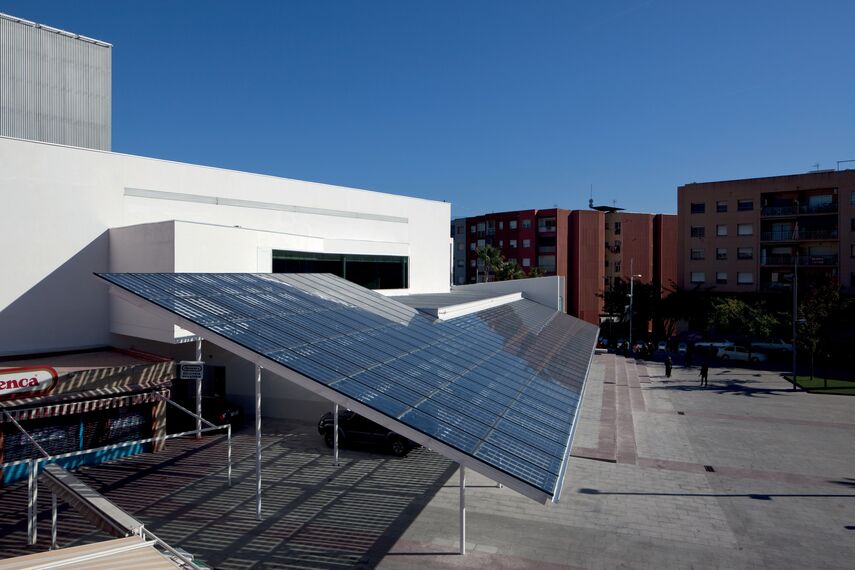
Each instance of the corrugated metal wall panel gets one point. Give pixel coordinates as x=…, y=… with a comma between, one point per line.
x=54, y=87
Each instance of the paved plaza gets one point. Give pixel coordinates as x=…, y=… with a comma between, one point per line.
x=664, y=474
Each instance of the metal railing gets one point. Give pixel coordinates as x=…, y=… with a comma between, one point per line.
x=791, y=210
x=801, y=234
x=34, y=464
x=788, y=259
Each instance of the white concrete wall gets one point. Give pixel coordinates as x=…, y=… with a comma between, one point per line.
x=59, y=204
x=544, y=290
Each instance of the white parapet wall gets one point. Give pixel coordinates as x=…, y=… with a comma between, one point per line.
x=544, y=290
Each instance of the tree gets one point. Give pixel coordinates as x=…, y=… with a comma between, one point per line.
x=491, y=258
x=816, y=310
x=509, y=270
x=536, y=272
x=730, y=314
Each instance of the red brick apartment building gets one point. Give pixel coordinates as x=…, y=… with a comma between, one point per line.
x=748, y=235
x=589, y=248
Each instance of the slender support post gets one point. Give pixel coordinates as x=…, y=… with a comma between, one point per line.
x=31, y=479
x=335, y=435
x=462, y=510
x=229, y=457
x=795, y=310
x=258, y=441
x=198, y=391
x=53, y=521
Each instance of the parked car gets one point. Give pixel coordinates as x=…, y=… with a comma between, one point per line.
x=740, y=353
x=682, y=348
x=662, y=346
x=772, y=346
x=353, y=429
x=712, y=344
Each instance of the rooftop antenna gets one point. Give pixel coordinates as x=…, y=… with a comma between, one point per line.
x=591, y=198
x=816, y=166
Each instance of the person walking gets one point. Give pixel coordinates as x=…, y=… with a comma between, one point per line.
x=705, y=372
x=668, y=365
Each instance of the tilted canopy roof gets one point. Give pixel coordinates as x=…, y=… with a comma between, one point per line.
x=496, y=390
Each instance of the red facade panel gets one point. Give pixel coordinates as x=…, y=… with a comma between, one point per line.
x=585, y=275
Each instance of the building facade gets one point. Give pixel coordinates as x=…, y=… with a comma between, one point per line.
x=55, y=86
x=749, y=235
x=591, y=249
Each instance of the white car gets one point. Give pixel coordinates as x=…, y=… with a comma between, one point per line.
x=682, y=348
x=772, y=346
x=740, y=353
x=709, y=345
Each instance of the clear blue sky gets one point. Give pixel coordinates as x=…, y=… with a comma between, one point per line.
x=490, y=105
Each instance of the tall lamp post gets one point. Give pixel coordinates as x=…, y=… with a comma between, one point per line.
x=632, y=278
x=795, y=293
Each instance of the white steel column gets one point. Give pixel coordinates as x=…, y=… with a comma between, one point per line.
x=198, y=391
x=258, y=441
x=32, y=485
x=462, y=510
x=335, y=435
x=229, y=436
x=53, y=521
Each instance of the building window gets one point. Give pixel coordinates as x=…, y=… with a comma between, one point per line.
x=513, y=244
x=512, y=224
x=745, y=229
x=744, y=253
x=473, y=263
x=698, y=207
x=472, y=246
x=852, y=198
x=721, y=230
x=501, y=243
x=501, y=225
x=460, y=230
x=617, y=267
x=745, y=205
x=696, y=254
x=744, y=278
x=852, y=251
x=459, y=263
x=721, y=278
x=481, y=244
x=526, y=262
x=697, y=277
x=721, y=253
x=852, y=224
x=461, y=246
x=697, y=231
x=721, y=206
x=526, y=243
x=617, y=246
x=491, y=227
x=617, y=228
x=472, y=229
x=547, y=263
x=526, y=224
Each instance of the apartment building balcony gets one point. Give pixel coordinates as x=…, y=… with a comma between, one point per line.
x=802, y=234
x=790, y=211
x=788, y=260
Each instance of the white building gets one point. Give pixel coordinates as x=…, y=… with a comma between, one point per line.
x=70, y=212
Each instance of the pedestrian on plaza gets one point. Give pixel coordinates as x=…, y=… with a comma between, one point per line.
x=668, y=364
x=705, y=372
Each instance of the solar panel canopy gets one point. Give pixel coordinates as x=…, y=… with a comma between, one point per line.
x=497, y=390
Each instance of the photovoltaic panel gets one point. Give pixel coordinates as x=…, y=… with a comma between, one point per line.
x=499, y=387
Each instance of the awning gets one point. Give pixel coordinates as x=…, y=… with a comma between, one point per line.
x=498, y=390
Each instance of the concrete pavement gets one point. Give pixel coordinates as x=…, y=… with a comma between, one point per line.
x=664, y=474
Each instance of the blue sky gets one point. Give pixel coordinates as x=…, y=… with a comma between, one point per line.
x=490, y=105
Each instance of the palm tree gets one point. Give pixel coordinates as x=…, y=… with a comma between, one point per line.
x=491, y=258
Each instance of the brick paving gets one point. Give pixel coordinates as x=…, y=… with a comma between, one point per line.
x=638, y=494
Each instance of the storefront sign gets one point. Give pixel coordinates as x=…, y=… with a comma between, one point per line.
x=191, y=370
x=16, y=382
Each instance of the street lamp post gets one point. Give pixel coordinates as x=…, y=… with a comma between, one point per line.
x=795, y=294
x=632, y=278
